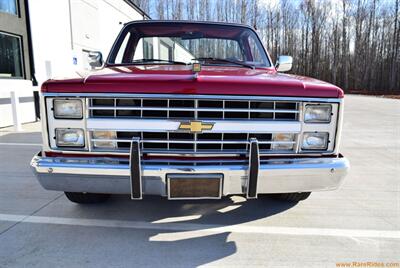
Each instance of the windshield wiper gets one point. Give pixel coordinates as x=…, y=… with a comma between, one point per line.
x=159, y=60
x=228, y=61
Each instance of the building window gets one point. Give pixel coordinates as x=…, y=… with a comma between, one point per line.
x=148, y=48
x=9, y=6
x=10, y=56
x=166, y=50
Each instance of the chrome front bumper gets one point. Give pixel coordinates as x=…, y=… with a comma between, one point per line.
x=106, y=175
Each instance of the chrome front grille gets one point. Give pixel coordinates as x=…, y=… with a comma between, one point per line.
x=192, y=143
x=183, y=109
x=193, y=109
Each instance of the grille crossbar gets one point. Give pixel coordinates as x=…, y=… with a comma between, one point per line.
x=192, y=143
x=198, y=142
x=215, y=109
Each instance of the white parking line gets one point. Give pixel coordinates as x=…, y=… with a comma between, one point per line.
x=19, y=144
x=203, y=228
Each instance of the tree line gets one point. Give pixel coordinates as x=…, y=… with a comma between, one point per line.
x=354, y=44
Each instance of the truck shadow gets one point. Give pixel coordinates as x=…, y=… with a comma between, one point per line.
x=196, y=243
x=190, y=242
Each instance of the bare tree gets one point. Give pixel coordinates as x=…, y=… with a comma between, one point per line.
x=352, y=43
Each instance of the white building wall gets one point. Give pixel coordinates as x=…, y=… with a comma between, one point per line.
x=117, y=13
x=51, y=38
x=71, y=29
x=62, y=33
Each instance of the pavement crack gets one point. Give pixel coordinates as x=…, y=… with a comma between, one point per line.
x=33, y=213
x=45, y=205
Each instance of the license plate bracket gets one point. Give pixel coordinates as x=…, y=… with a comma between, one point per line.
x=194, y=186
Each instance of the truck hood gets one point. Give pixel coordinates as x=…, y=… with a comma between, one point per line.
x=180, y=79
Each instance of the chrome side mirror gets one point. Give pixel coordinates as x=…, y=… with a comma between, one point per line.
x=284, y=63
x=95, y=59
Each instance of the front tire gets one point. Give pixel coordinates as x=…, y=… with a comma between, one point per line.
x=292, y=197
x=86, y=198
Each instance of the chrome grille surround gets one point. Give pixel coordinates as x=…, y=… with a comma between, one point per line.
x=227, y=125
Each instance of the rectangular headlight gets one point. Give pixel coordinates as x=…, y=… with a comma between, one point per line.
x=285, y=141
x=104, y=139
x=315, y=141
x=70, y=137
x=318, y=113
x=68, y=108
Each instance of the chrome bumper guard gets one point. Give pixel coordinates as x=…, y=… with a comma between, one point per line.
x=137, y=177
x=254, y=166
x=136, y=170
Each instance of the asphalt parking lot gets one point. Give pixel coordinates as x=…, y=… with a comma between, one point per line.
x=358, y=223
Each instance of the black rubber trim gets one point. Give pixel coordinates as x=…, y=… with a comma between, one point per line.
x=254, y=167
x=135, y=169
x=36, y=101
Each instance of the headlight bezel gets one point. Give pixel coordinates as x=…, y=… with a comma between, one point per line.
x=63, y=144
x=307, y=135
x=67, y=116
x=318, y=106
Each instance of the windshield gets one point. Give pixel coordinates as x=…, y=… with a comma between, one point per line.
x=185, y=43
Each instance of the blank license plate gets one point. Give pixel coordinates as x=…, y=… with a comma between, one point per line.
x=194, y=186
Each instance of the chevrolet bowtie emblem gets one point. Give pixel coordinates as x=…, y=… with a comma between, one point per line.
x=195, y=126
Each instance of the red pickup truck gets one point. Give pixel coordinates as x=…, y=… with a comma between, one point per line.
x=190, y=110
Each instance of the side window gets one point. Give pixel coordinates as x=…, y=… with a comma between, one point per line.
x=10, y=56
x=144, y=49
x=122, y=49
x=139, y=50
x=255, y=50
